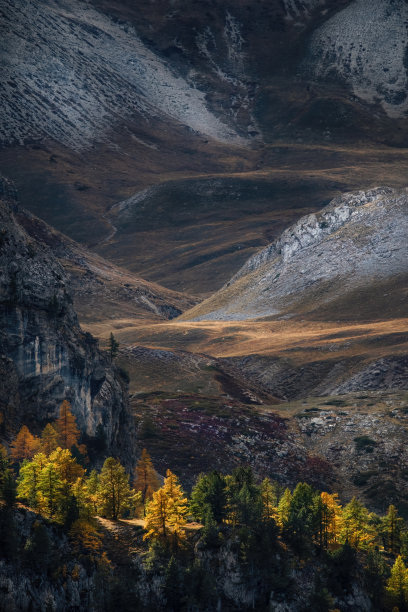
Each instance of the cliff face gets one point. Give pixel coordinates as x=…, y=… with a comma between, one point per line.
x=45, y=357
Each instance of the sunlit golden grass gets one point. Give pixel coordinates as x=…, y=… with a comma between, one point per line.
x=303, y=340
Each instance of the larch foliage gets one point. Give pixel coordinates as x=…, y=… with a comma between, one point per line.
x=331, y=518
x=65, y=464
x=269, y=500
x=68, y=432
x=85, y=539
x=391, y=528
x=157, y=517
x=86, y=490
x=397, y=584
x=24, y=446
x=166, y=513
x=178, y=504
x=50, y=490
x=48, y=440
x=355, y=525
x=28, y=480
x=146, y=479
x=283, y=508
x=114, y=492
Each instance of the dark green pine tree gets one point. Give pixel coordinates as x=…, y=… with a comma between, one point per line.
x=208, y=497
x=38, y=547
x=113, y=346
x=172, y=588
x=301, y=525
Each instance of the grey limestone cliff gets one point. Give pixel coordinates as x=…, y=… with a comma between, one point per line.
x=44, y=355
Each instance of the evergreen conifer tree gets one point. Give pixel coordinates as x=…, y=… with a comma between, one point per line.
x=113, y=346
x=209, y=496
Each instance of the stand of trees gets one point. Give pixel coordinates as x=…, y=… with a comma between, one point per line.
x=263, y=523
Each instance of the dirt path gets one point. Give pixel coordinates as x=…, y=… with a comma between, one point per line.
x=122, y=539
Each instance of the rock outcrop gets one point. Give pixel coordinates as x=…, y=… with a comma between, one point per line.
x=358, y=243
x=365, y=44
x=45, y=356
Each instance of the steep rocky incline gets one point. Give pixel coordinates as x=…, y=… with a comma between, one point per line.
x=78, y=72
x=354, y=246
x=100, y=289
x=45, y=357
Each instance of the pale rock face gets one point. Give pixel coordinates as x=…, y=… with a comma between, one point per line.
x=71, y=74
x=44, y=352
x=357, y=240
x=299, y=9
x=366, y=44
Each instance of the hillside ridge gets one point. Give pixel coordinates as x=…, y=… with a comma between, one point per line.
x=356, y=242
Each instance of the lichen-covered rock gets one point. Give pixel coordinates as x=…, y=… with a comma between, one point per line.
x=44, y=355
x=365, y=45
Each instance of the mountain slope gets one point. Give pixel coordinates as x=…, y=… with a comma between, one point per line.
x=97, y=73
x=103, y=100
x=365, y=44
x=100, y=289
x=353, y=247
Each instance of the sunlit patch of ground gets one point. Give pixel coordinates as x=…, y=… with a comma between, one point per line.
x=301, y=339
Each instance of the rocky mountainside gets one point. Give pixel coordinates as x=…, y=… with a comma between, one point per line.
x=355, y=246
x=97, y=73
x=45, y=357
x=101, y=290
x=279, y=103
x=148, y=61
x=365, y=45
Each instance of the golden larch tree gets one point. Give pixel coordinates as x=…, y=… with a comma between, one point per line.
x=114, y=494
x=355, y=525
x=269, y=500
x=332, y=517
x=178, y=505
x=282, y=514
x=68, y=432
x=397, y=584
x=146, y=479
x=24, y=446
x=67, y=467
x=49, y=439
x=157, y=517
x=166, y=513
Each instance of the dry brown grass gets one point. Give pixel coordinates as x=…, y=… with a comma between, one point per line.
x=300, y=339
